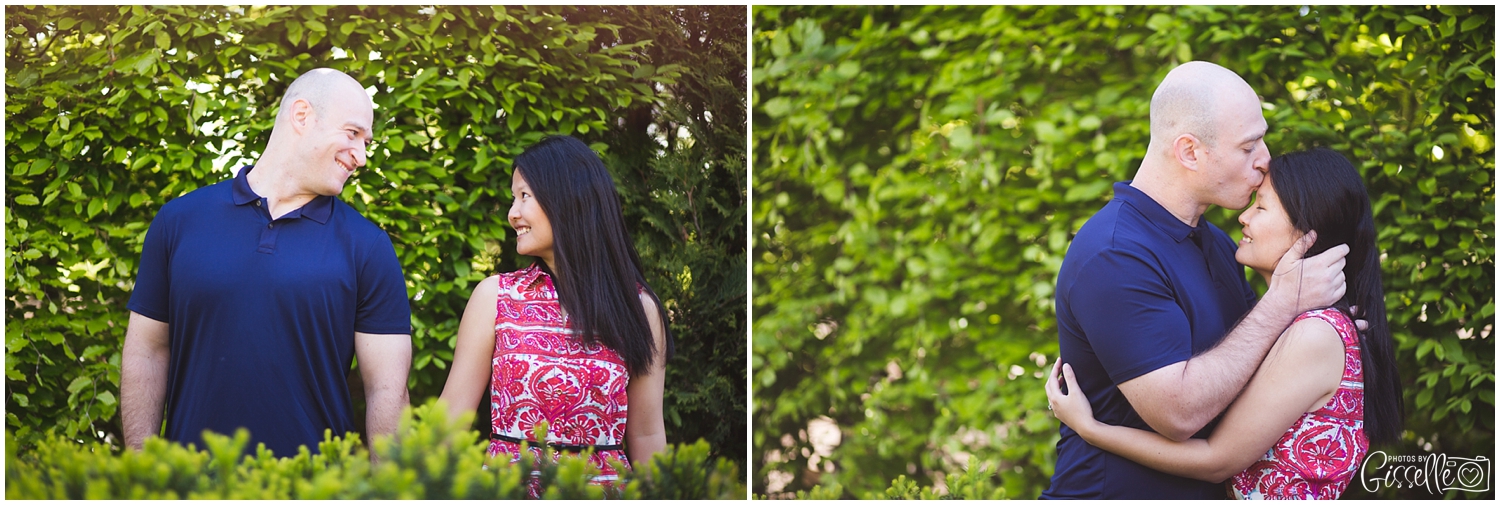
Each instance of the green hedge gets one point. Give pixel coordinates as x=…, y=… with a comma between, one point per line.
x=429, y=458
x=113, y=111
x=920, y=171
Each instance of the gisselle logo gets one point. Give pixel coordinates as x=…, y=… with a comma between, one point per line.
x=1437, y=473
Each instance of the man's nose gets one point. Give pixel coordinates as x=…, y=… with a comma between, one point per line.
x=359, y=156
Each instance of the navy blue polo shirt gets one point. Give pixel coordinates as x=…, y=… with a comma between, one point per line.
x=1138, y=290
x=262, y=313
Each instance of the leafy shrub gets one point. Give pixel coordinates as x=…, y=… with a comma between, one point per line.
x=429, y=458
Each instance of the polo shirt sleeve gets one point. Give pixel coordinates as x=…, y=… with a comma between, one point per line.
x=1129, y=315
x=150, y=297
x=383, y=307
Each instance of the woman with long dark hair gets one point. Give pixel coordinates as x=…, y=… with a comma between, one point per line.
x=577, y=340
x=1303, y=424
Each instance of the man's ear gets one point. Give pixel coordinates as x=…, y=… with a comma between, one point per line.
x=1185, y=149
x=301, y=115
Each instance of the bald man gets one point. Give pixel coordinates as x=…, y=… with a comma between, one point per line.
x=1153, y=313
x=254, y=294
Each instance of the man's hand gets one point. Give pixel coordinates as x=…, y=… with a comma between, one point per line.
x=1304, y=284
x=1359, y=323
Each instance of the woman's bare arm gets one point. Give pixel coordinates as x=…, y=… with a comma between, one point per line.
x=645, y=432
x=469, y=375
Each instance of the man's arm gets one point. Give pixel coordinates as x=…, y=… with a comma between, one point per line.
x=1179, y=399
x=384, y=362
x=143, y=378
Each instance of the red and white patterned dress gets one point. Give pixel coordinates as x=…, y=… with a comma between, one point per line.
x=1319, y=455
x=541, y=373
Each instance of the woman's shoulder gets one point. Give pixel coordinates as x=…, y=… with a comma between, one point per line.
x=488, y=288
x=1316, y=333
x=1334, y=321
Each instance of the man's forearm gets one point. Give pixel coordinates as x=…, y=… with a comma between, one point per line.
x=383, y=410
x=1211, y=381
x=143, y=392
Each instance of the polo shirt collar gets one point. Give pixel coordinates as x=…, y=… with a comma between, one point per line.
x=1159, y=216
x=319, y=209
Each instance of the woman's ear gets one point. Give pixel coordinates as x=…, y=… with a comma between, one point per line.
x=1297, y=236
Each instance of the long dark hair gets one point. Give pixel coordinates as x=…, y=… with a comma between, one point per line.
x=598, y=270
x=1322, y=191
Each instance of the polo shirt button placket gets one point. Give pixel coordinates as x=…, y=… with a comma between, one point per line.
x=268, y=238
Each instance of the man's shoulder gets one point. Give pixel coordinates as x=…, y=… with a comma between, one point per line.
x=215, y=192
x=1115, y=229
x=356, y=224
x=195, y=202
x=1115, y=244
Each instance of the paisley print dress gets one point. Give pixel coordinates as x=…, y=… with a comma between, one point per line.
x=540, y=373
x=1319, y=455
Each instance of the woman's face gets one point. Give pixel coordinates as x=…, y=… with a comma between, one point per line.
x=1268, y=232
x=533, y=231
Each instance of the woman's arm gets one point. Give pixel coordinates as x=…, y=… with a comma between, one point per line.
x=645, y=433
x=469, y=376
x=1300, y=374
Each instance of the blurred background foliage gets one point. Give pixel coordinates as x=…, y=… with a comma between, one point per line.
x=112, y=111
x=920, y=171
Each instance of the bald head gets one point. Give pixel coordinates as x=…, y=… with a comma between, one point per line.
x=320, y=87
x=1190, y=100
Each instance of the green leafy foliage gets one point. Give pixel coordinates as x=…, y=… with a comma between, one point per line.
x=113, y=111
x=430, y=458
x=920, y=171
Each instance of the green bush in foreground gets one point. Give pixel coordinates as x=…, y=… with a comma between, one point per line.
x=430, y=458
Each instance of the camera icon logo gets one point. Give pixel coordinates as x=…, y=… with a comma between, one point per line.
x=1466, y=474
